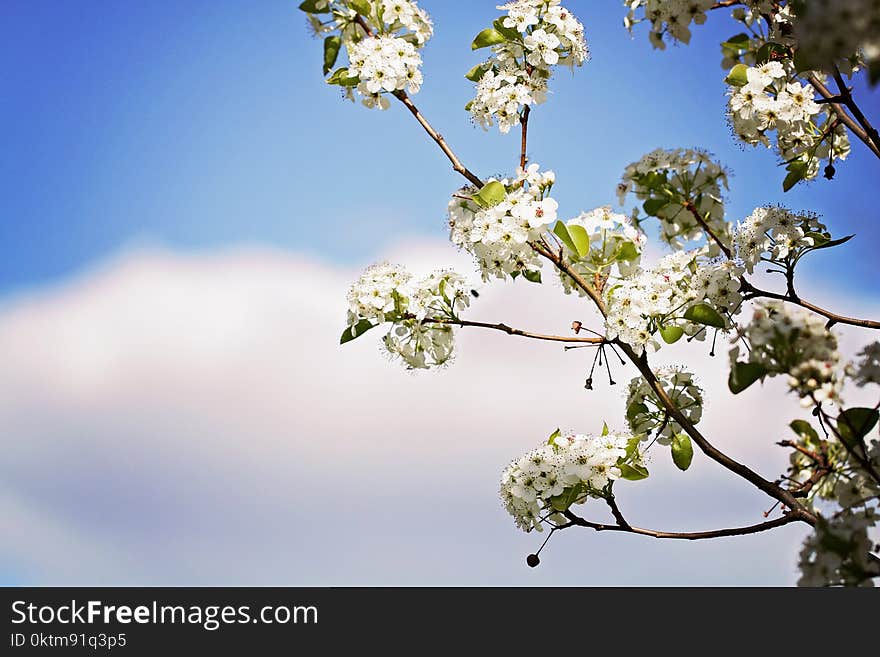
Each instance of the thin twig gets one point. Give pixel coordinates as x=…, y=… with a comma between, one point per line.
x=753, y=292
x=504, y=328
x=849, y=101
x=845, y=118
x=436, y=136
x=690, y=207
x=524, y=123
x=794, y=516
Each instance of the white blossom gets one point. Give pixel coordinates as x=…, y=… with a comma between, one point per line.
x=516, y=74
x=568, y=469
x=776, y=233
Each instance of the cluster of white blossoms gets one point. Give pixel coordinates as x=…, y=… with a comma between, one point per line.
x=868, y=368
x=794, y=342
x=645, y=413
x=533, y=36
x=613, y=239
x=776, y=233
x=417, y=310
x=673, y=185
x=679, y=296
x=382, y=64
x=567, y=470
x=769, y=98
x=382, y=60
x=830, y=30
x=838, y=553
x=498, y=236
x=667, y=17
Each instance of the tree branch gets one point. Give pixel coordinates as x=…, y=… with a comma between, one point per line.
x=845, y=118
x=559, y=261
x=849, y=101
x=794, y=516
x=690, y=207
x=773, y=490
x=514, y=331
x=524, y=123
x=457, y=166
x=753, y=292
x=401, y=95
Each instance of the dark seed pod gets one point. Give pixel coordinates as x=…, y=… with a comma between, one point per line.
x=532, y=560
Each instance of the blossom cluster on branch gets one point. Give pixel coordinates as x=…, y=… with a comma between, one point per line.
x=568, y=469
x=777, y=64
x=419, y=312
x=532, y=37
x=382, y=39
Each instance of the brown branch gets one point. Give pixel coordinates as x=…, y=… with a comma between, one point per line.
x=457, y=166
x=559, y=261
x=773, y=490
x=753, y=292
x=794, y=516
x=524, y=123
x=437, y=137
x=690, y=207
x=726, y=3
x=615, y=511
x=514, y=331
x=852, y=106
x=791, y=297
x=845, y=118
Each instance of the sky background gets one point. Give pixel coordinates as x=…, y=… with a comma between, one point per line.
x=184, y=204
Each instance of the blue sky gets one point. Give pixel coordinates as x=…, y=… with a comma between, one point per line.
x=206, y=123
x=184, y=203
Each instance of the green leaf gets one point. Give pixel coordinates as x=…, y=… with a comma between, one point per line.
x=702, y=313
x=488, y=37
x=508, y=32
x=312, y=7
x=682, y=451
x=804, y=430
x=822, y=242
x=360, y=6
x=635, y=409
x=737, y=76
x=532, y=276
x=581, y=239
x=561, y=231
x=671, y=333
x=492, y=193
x=633, y=472
x=797, y=171
x=565, y=499
x=628, y=251
x=477, y=72
x=653, y=205
x=853, y=424
x=356, y=331
x=605, y=429
x=340, y=77
x=742, y=375
x=737, y=42
x=632, y=447
x=553, y=436
x=331, y=52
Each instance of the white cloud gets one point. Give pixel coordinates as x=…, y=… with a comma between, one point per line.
x=191, y=419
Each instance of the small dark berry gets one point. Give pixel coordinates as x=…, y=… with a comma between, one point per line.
x=830, y=171
x=532, y=560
